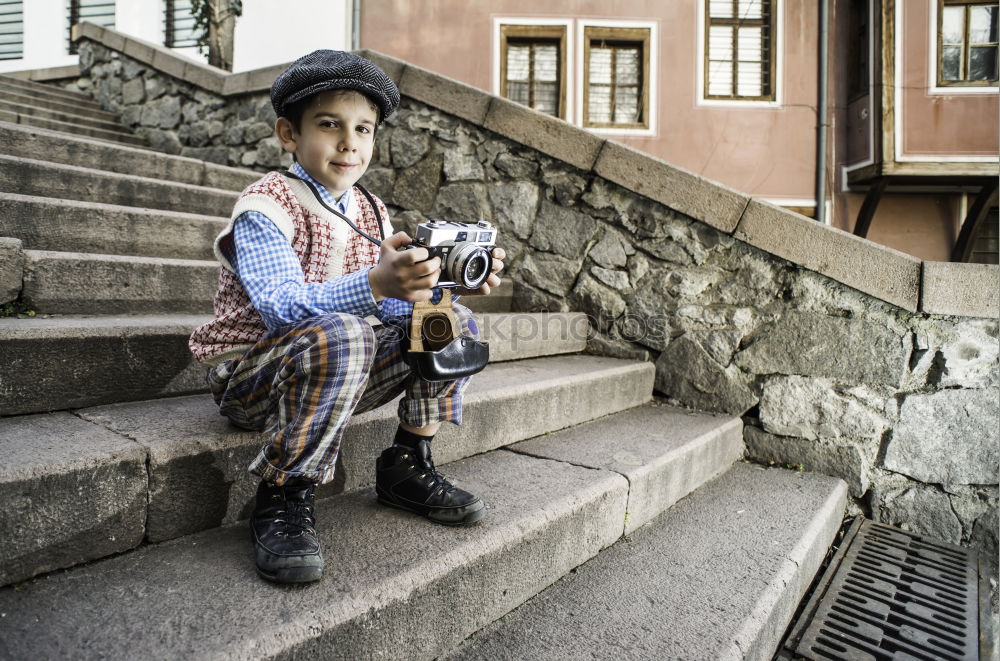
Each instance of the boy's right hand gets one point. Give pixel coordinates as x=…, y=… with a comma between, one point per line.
x=404, y=274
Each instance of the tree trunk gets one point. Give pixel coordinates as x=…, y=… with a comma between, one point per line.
x=221, y=29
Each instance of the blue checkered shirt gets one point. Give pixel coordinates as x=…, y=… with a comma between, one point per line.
x=272, y=274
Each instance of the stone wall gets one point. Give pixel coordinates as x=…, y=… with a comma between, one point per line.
x=901, y=404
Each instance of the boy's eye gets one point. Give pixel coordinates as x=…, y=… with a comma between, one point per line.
x=364, y=129
x=327, y=123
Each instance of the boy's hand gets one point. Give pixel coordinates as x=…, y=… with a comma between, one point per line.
x=492, y=282
x=404, y=274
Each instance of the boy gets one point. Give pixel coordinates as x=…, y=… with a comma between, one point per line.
x=290, y=349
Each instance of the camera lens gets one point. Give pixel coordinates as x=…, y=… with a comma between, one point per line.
x=468, y=265
x=475, y=267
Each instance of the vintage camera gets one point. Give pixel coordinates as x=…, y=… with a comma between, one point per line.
x=465, y=249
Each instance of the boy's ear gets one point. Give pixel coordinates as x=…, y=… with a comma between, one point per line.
x=287, y=135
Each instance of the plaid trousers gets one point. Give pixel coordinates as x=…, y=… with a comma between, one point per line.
x=302, y=382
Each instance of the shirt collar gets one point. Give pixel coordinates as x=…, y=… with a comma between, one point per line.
x=340, y=205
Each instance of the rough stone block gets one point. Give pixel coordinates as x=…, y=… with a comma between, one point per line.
x=963, y=290
x=72, y=492
x=679, y=189
x=687, y=373
x=814, y=344
x=843, y=461
x=563, y=231
x=11, y=267
x=923, y=509
x=818, y=409
x=549, y=135
x=947, y=437
x=882, y=272
x=469, y=103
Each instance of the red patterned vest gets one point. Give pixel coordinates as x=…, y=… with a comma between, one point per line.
x=326, y=247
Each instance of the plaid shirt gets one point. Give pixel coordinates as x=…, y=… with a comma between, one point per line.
x=272, y=275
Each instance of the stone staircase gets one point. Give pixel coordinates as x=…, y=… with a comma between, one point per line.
x=618, y=526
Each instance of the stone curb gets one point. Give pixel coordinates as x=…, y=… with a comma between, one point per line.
x=46, y=179
x=150, y=358
x=884, y=273
x=664, y=452
x=57, y=147
x=84, y=106
x=52, y=224
x=197, y=460
x=961, y=290
x=392, y=579
x=77, y=283
x=50, y=73
x=120, y=137
x=881, y=272
x=744, y=548
x=80, y=119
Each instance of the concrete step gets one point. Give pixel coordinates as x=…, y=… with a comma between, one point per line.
x=149, y=357
x=10, y=84
x=74, y=283
x=55, y=147
x=193, y=462
x=32, y=108
x=46, y=223
x=81, y=283
x=718, y=576
x=47, y=179
x=28, y=119
x=393, y=581
x=67, y=106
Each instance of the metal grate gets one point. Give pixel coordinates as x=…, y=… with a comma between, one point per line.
x=894, y=595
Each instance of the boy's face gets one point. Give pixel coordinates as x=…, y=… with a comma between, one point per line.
x=335, y=139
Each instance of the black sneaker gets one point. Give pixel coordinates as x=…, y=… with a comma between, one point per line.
x=282, y=526
x=406, y=478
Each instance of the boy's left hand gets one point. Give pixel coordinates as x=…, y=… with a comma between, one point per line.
x=492, y=282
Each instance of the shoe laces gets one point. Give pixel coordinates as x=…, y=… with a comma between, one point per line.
x=296, y=517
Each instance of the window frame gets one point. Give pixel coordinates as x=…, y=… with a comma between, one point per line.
x=8, y=10
x=75, y=9
x=618, y=35
x=939, y=54
x=771, y=23
x=539, y=32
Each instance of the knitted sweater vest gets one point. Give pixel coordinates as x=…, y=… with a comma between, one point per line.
x=326, y=246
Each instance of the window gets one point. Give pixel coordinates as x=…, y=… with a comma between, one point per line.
x=179, y=30
x=101, y=12
x=533, y=66
x=616, y=77
x=858, y=79
x=11, y=30
x=986, y=242
x=967, y=43
x=739, y=58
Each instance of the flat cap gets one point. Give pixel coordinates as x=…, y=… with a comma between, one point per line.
x=324, y=70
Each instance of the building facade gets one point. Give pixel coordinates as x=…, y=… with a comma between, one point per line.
x=729, y=89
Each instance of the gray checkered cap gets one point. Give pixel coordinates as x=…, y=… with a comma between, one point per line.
x=324, y=70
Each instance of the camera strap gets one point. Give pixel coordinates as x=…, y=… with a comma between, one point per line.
x=371, y=200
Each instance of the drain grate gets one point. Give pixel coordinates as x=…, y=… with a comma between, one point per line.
x=894, y=595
